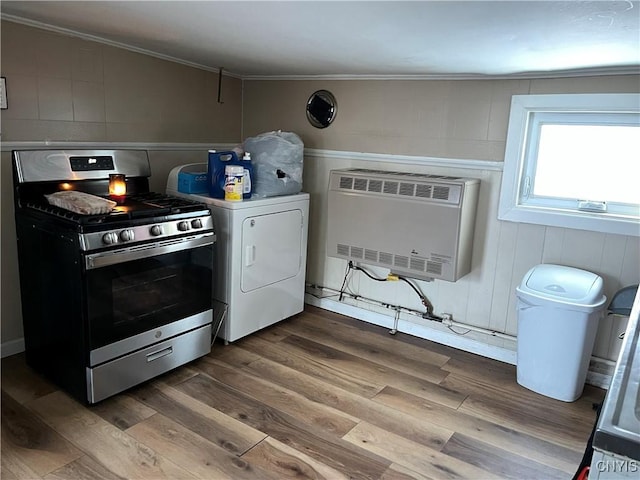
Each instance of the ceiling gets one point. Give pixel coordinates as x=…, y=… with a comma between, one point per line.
x=344, y=39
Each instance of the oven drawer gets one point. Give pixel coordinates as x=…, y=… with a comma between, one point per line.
x=125, y=372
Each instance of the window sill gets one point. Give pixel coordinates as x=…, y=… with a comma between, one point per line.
x=596, y=222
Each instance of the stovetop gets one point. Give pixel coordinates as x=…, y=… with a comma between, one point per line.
x=140, y=216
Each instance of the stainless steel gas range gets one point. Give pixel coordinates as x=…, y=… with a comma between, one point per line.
x=109, y=298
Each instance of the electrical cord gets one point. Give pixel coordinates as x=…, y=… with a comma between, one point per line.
x=457, y=333
x=425, y=301
x=355, y=267
x=344, y=280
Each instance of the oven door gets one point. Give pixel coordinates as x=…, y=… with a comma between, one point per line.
x=143, y=294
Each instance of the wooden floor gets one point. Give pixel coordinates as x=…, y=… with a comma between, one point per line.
x=316, y=396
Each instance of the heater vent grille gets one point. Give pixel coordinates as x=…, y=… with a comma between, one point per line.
x=360, y=184
x=375, y=186
x=346, y=182
x=418, y=190
x=391, y=188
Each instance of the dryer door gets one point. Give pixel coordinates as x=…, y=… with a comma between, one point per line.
x=271, y=248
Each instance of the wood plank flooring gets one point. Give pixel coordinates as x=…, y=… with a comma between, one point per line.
x=317, y=396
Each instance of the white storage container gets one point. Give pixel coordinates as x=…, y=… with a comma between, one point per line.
x=558, y=312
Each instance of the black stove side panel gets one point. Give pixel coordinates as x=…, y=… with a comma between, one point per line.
x=51, y=282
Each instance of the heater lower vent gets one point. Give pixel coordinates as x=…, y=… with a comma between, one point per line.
x=415, y=264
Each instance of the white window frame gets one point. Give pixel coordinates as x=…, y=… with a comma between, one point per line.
x=514, y=207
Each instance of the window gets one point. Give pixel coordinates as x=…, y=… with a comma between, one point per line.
x=573, y=161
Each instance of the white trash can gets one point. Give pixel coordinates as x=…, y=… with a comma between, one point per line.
x=558, y=312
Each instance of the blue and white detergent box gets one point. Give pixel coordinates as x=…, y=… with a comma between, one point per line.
x=193, y=182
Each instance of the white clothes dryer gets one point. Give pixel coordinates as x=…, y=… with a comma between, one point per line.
x=260, y=259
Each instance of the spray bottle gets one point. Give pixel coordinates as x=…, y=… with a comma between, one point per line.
x=248, y=175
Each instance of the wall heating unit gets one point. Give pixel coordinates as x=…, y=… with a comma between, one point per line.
x=417, y=225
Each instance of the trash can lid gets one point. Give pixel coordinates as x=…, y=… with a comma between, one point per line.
x=564, y=284
x=622, y=300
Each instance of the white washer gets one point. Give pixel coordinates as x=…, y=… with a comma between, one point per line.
x=261, y=256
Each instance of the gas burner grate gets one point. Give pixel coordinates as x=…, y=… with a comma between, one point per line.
x=65, y=214
x=163, y=201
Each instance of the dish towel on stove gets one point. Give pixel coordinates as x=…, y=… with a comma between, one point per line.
x=80, y=202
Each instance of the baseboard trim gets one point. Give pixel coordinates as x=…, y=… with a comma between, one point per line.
x=598, y=380
x=11, y=347
x=489, y=351
x=599, y=374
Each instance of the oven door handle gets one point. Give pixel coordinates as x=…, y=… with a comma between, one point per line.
x=103, y=259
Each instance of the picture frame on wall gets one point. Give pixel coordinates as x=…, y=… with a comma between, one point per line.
x=3, y=93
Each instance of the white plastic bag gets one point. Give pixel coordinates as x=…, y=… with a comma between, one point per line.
x=277, y=159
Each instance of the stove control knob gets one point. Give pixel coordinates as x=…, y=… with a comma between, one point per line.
x=183, y=226
x=197, y=223
x=126, y=235
x=156, y=230
x=109, y=238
